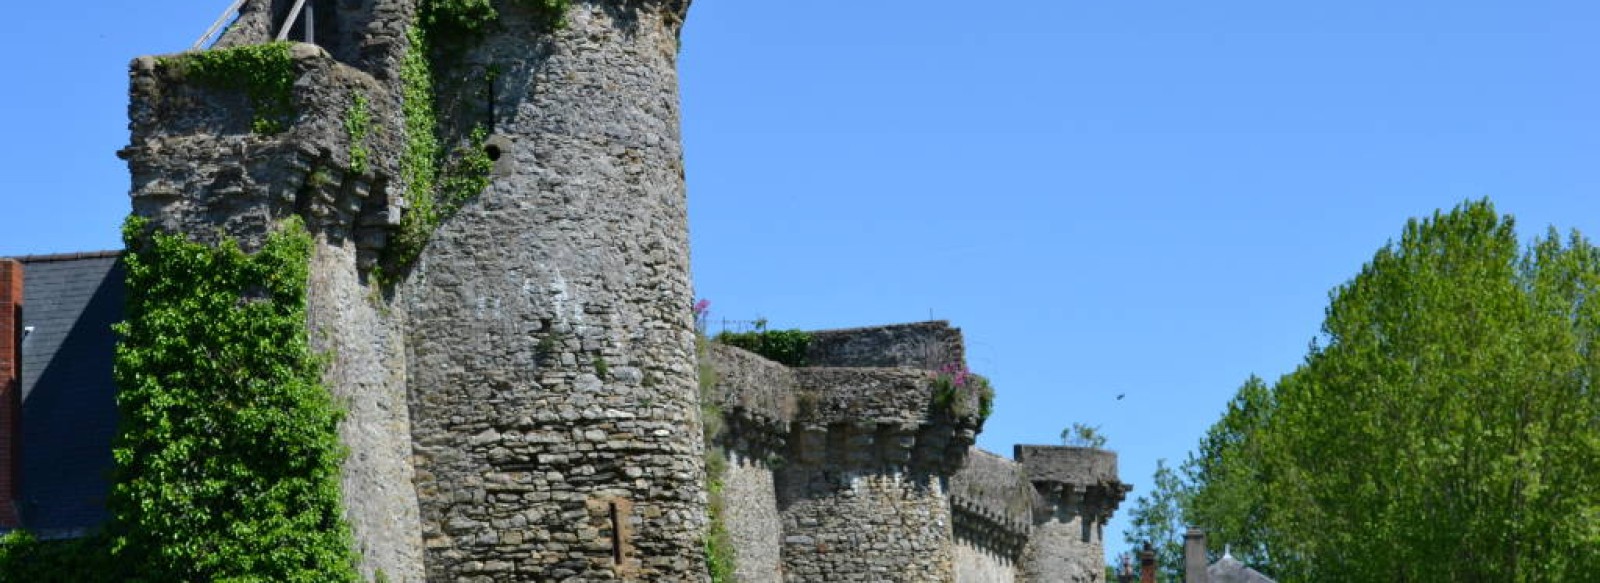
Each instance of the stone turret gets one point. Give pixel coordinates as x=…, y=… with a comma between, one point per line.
x=1081, y=489
x=552, y=368
x=521, y=399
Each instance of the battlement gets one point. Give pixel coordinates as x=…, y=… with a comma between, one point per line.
x=520, y=390
x=994, y=504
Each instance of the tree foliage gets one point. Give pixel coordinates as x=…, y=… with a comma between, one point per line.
x=1083, y=435
x=1226, y=474
x=1447, y=432
x=1445, y=428
x=1158, y=518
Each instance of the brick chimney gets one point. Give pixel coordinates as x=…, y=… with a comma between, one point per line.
x=10, y=390
x=1147, y=564
x=1194, y=556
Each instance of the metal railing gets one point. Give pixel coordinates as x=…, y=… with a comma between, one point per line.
x=232, y=14
x=227, y=16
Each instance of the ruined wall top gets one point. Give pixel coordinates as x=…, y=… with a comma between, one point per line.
x=923, y=345
x=1082, y=466
x=208, y=152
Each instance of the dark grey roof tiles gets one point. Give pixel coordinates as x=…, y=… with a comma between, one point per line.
x=68, y=410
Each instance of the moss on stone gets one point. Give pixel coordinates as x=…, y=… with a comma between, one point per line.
x=264, y=72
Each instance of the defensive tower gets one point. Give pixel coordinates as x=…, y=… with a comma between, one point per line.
x=520, y=390
x=554, y=357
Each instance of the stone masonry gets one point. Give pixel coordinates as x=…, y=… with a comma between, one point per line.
x=552, y=367
x=522, y=400
x=874, y=479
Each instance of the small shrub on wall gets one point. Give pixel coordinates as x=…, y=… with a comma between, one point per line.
x=783, y=346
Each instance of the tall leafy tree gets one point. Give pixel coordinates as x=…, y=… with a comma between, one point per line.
x=1226, y=474
x=1158, y=518
x=1447, y=431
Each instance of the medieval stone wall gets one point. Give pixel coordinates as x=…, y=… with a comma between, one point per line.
x=977, y=564
x=522, y=403
x=750, y=511
x=1081, y=489
x=922, y=345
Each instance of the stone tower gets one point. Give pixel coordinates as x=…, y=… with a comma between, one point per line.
x=552, y=368
x=521, y=397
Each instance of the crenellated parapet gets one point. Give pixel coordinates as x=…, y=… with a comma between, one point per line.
x=993, y=502
x=1081, y=480
x=859, y=452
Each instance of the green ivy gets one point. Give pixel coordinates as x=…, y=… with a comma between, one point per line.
x=24, y=558
x=783, y=346
x=719, y=542
x=264, y=72
x=437, y=185
x=451, y=21
x=227, y=462
x=357, y=126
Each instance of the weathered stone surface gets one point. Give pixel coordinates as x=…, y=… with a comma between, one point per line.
x=1081, y=490
x=552, y=344
x=922, y=345
x=978, y=564
x=1068, y=465
x=750, y=511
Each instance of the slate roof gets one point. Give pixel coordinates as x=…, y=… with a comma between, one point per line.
x=1230, y=570
x=68, y=397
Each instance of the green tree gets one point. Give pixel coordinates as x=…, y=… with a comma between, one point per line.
x=1226, y=474
x=1158, y=518
x=1447, y=431
x=1083, y=435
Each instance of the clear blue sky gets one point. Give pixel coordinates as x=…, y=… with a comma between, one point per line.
x=1150, y=199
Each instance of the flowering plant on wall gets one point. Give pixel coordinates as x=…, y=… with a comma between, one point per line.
x=954, y=388
x=702, y=309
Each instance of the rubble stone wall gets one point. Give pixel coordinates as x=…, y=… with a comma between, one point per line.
x=552, y=369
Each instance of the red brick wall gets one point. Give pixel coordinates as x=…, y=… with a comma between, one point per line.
x=10, y=389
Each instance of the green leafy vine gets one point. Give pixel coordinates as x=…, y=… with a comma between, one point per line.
x=357, y=126
x=227, y=462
